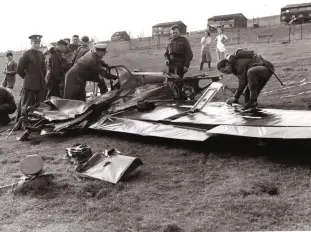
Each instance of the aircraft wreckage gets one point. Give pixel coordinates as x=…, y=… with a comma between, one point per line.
x=158, y=104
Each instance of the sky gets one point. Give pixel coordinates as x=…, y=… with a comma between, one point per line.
x=59, y=19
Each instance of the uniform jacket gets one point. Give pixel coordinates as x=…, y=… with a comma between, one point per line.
x=81, y=51
x=178, y=51
x=12, y=68
x=31, y=68
x=55, y=65
x=7, y=105
x=89, y=67
x=241, y=61
x=73, y=47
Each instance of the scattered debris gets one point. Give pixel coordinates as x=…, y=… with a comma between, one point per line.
x=108, y=166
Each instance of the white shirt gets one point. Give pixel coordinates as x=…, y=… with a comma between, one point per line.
x=220, y=45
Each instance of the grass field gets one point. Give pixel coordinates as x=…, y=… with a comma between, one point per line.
x=222, y=185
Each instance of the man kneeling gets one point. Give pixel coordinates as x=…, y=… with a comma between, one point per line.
x=7, y=106
x=253, y=74
x=87, y=68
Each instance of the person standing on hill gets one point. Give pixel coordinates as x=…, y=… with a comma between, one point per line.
x=206, y=50
x=32, y=69
x=10, y=72
x=220, y=39
x=178, y=53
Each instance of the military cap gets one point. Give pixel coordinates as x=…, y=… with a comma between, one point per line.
x=221, y=64
x=75, y=36
x=35, y=37
x=9, y=54
x=62, y=42
x=101, y=46
x=67, y=39
x=85, y=39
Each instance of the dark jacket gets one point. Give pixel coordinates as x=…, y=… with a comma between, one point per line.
x=81, y=51
x=241, y=61
x=178, y=51
x=7, y=106
x=31, y=68
x=89, y=67
x=11, y=68
x=73, y=47
x=55, y=65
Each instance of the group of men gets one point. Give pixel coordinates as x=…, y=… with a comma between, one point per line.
x=252, y=70
x=67, y=79
x=52, y=74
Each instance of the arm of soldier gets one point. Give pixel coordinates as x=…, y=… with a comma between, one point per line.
x=10, y=106
x=189, y=54
x=22, y=65
x=241, y=85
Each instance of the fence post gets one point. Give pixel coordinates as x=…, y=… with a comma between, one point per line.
x=301, y=30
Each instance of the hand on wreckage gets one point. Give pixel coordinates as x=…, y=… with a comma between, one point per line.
x=232, y=100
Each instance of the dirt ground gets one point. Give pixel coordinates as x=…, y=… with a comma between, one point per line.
x=221, y=185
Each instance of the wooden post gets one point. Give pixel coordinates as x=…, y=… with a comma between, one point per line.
x=289, y=31
x=301, y=30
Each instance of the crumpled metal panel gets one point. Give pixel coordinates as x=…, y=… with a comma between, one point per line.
x=142, y=128
x=161, y=112
x=112, y=168
x=264, y=132
x=68, y=109
x=220, y=113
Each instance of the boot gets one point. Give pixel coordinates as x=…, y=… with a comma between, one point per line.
x=201, y=66
x=252, y=103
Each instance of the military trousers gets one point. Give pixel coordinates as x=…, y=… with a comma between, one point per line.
x=29, y=98
x=257, y=78
x=179, y=70
x=74, y=87
x=53, y=88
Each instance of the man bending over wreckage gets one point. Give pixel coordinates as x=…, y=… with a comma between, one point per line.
x=253, y=73
x=87, y=68
x=7, y=106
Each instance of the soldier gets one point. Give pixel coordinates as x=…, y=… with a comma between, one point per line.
x=252, y=71
x=7, y=106
x=31, y=68
x=10, y=72
x=82, y=50
x=75, y=44
x=88, y=68
x=56, y=64
x=178, y=53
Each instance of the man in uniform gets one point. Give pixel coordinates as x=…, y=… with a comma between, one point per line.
x=75, y=44
x=87, y=68
x=31, y=68
x=56, y=65
x=82, y=50
x=253, y=73
x=7, y=106
x=178, y=53
x=10, y=72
